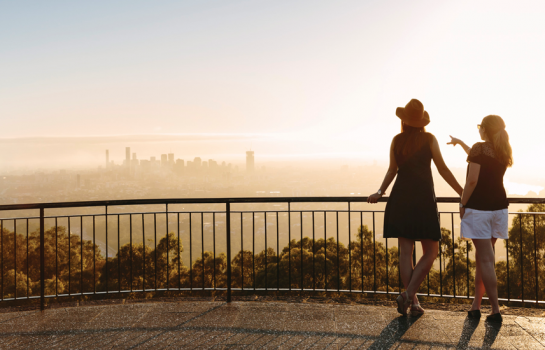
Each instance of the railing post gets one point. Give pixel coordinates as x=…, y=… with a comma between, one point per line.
x=228, y=229
x=42, y=261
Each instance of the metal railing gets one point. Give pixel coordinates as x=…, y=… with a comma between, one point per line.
x=58, y=253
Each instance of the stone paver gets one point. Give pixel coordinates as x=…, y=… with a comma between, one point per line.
x=254, y=325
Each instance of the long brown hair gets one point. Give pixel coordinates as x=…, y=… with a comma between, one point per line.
x=410, y=140
x=494, y=127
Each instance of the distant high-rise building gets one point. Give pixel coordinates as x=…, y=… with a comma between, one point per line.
x=164, y=159
x=134, y=162
x=128, y=155
x=197, y=162
x=179, y=167
x=212, y=165
x=250, y=161
x=107, y=158
x=171, y=158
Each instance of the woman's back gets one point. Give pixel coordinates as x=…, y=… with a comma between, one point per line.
x=411, y=211
x=489, y=194
x=415, y=159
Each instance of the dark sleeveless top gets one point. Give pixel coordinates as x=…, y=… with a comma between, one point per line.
x=411, y=210
x=489, y=194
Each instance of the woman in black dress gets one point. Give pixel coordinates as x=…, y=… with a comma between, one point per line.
x=411, y=212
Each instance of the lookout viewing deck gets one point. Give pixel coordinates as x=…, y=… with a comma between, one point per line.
x=234, y=247
x=188, y=324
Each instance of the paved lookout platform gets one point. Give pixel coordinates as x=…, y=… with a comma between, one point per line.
x=259, y=325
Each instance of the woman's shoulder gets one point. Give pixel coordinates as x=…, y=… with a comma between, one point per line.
x=476, y=149
x=477, y=145
x=481, y=149
x=429, y=136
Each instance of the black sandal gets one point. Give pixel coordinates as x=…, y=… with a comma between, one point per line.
x=496, y=318
x=474, y=314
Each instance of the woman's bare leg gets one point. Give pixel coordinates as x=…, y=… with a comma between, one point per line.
x=479, y=285
x=412, y=276
x=485, y=262
x=430, y=248
x=406, y=247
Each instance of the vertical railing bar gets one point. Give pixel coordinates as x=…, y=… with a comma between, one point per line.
x=313, y=253
x=144, y=246
x=178, y=251
x=202, y=248
x=118, y=256
x=301, y=244
x=277, y=253
x=2, y=258
x=94, y=255
x=242, y=251
x=289, y=246
x=130, y=251
x=349, y=250
x=155, y=244
x=190, y=251
x=338, y=260
x=374, y=257
x=253, y=248
x=228, y=229
x=266, y=272
x=387, y=274
x=325, y=252
x=453, y=257
x=507, y=257
x=521, y=259
x=428, y=278
x=27, y=276
x=106, y=263
x=214, y=239
x=361, y=249
x=535, y=259
x=42, y=260
x=56, y=258
x=168, y=248
x=81, y=251
x=69, y=257
x=15, y=255
x=467, y=266
x=440, y=262
x=398, y=268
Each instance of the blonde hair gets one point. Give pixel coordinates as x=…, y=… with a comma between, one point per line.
x=494, y=127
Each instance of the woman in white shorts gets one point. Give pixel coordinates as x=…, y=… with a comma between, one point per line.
x=483, y=207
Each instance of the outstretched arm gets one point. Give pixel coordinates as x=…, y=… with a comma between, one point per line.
x=442, y=167
x=388, y=178
x=454, y=141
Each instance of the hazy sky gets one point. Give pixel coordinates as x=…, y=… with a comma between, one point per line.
x=285, y=77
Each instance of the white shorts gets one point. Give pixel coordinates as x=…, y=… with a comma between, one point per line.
x=482, y=224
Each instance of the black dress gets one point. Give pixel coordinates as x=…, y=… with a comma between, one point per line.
x=411, y=211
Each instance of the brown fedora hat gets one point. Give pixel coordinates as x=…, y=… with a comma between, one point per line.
x=413, y=114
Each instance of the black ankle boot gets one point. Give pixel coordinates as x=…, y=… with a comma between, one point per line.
x=496, y=318
x=474, y=314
